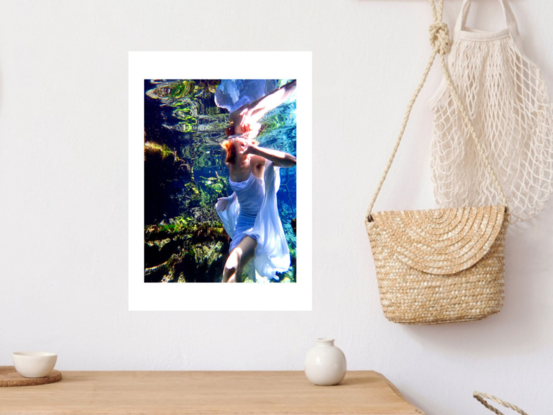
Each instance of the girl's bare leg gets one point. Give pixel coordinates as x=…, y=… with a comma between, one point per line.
x=238, y=259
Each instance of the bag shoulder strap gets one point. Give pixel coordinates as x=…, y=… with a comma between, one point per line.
x=441, y=45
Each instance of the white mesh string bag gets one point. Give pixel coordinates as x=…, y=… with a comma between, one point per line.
x=508, y=103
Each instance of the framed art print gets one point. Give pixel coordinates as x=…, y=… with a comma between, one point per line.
x=220, y=181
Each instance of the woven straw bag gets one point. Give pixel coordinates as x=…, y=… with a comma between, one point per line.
x=481, y=397
x=442, y=265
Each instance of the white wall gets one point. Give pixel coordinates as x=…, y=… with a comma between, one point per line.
x=63, y=181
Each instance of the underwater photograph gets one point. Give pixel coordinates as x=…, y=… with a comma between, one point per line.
x=220, y=180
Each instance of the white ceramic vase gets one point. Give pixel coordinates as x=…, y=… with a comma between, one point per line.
x=325, y=364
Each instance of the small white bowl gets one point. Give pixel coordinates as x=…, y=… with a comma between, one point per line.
x=34, y=364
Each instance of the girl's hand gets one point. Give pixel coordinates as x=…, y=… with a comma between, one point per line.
x=246, y=147
x=222, y=203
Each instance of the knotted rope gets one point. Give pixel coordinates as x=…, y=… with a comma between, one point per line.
x=481, y=397
x=441, y=45
x=439, y=38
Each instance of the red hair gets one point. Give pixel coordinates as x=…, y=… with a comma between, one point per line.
x=228, y=145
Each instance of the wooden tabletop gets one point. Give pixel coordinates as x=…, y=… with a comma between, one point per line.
x=213, y=393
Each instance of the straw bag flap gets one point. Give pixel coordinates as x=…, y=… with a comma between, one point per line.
x=438, y=241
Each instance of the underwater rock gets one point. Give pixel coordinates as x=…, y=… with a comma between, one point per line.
x=155, y=274
x=206, y=254
x=185, y=251
x=168, y=277
x=158, y=251
x=203, y=262
x=165, y=175
x=159, y=244
x=201, y=214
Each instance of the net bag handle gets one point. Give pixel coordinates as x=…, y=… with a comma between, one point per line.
x=481, y=397
x=510, y=20
x=441, y=45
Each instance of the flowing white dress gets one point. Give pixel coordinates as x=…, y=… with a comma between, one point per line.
x=233, y=94
x=271, y=254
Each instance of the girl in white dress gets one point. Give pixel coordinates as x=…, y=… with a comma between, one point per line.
x=250, y=214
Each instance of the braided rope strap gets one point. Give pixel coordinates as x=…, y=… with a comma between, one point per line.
x=441, y=45
x=481, y=397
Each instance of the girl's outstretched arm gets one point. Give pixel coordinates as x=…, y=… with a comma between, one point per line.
x=263, y=105
x=279, y=158
x=246, y=118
